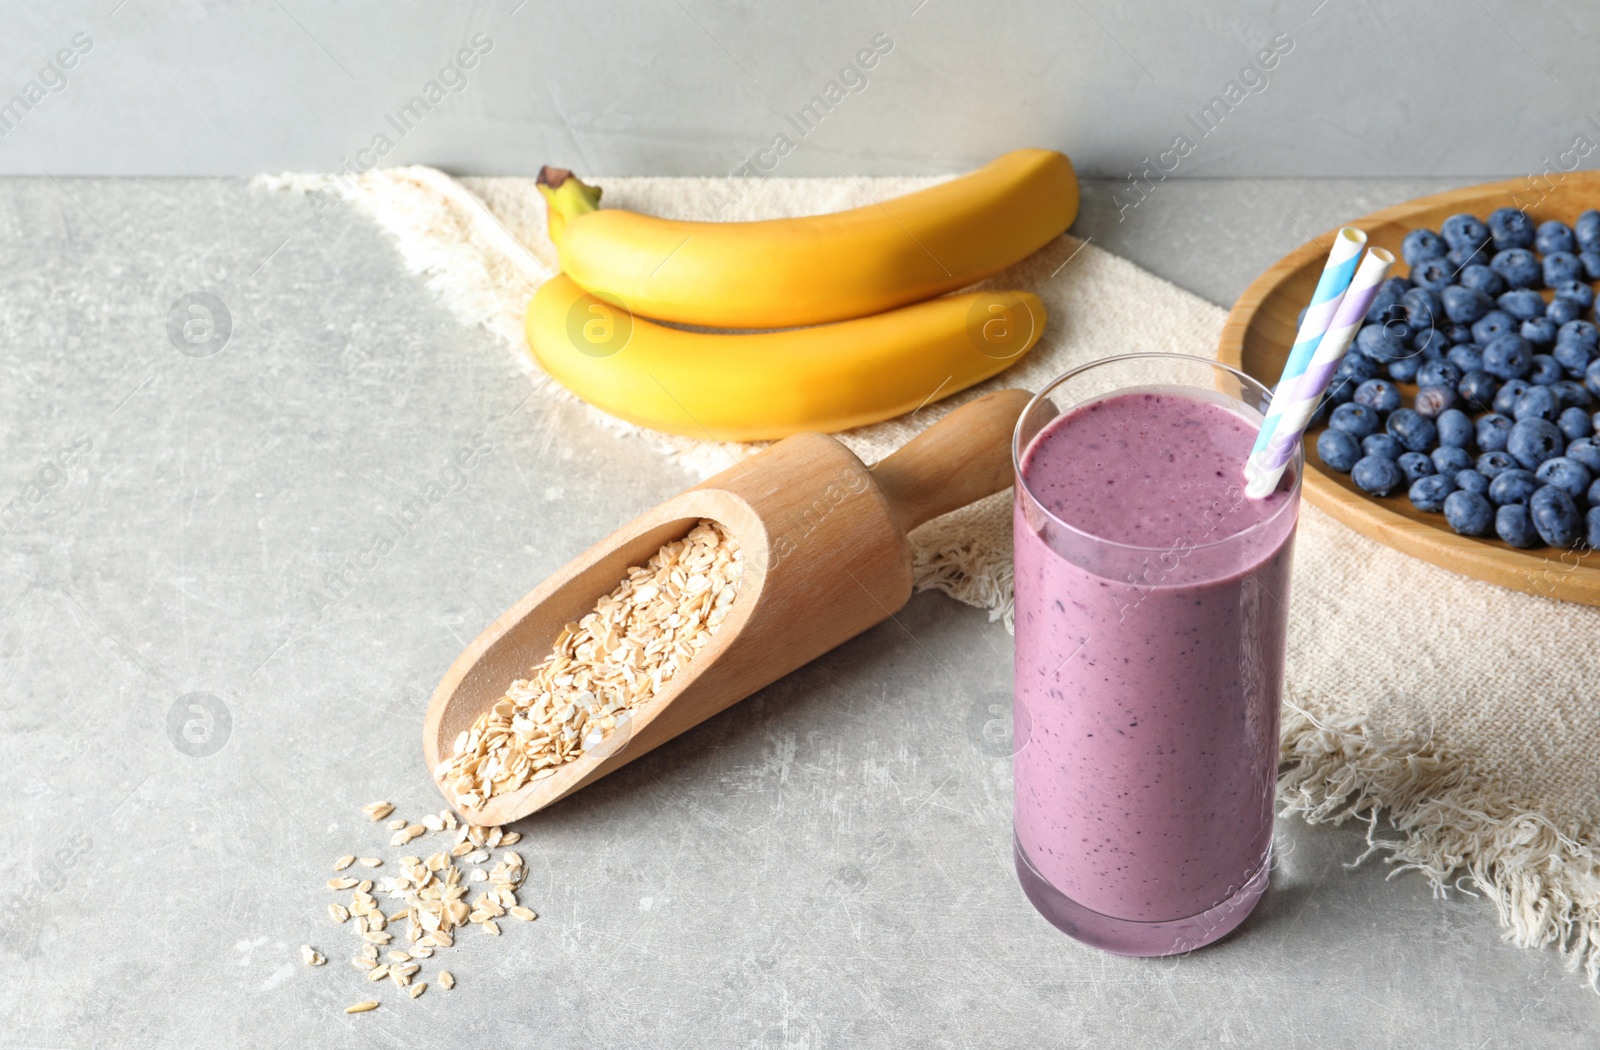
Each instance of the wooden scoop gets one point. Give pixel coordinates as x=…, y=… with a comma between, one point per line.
x=825, y=557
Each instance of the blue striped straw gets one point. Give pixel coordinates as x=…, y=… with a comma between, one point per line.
x=1297, y=399
x=1337, y=273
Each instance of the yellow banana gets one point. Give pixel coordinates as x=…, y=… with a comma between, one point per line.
x=787, y=272
x=757, y=385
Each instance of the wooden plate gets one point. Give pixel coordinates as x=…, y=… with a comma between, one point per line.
x=1261, y=327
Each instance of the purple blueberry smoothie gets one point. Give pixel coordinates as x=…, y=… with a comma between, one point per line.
x=1151, y=605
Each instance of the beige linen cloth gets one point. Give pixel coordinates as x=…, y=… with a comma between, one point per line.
x=1463, y=713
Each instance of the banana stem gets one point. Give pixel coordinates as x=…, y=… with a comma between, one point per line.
x=566, y=197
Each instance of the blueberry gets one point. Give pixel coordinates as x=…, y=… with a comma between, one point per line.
x=1492, y=324
x=1506, y=356
x=1537, y=402
x=1431, y=344
x=1354, y=419
x=1571, y=477
x=1320, y=414
x=1491, y=465
x=1533, y=441
x=1434, y=399
x=1506, y=399
x=1382, y=445
x=1591, y=377
x=1338, y=450
x=1378, y=394
x=1514, y=524
x=1586, y=229
x=1467, y=357
x=1424, y=308
x=1464, y=305
x=1414, y=465
x=1379, y=343
x=1555, y=516
x=1571, y=394
x=1510, y=228
x=1340, y=390
x=1428, y=493
x=1563, y=309
x=1421, y=244
x=1594, y=502
x=1480, y=278
x=1412, y=429
x=1578, y=291
x=1438, y=373
x=1435, y=274
x=1512, y=486
x=1468, y=513
x=1593, y=537
x=1523, y=304
x=1554, y=236
x=1561, y=267
x=1566, y=474
x=1586, y=450
x=1455, y=429
x=1580, y=332
x=1573, y=356
x=1477, y=390
x=1574, y=423
x=1518, y=266
x=1589, y=259
x=1404, y=370
x=1471, y=481
x=1493, y=431
x=1463, y=229
x=1378, y=475
x=1397, y=285
x=1448, y=459
x=1540, y=332
x=1544, y=370
x=1457, y=333
x=1467, y=255
x=1383, y=306
x=1359, y=367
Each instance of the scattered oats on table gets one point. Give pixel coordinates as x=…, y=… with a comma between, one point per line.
x=430, y=901
x=613, y=661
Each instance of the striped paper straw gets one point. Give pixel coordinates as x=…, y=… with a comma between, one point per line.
x=1296, y=399
x=1336, y=275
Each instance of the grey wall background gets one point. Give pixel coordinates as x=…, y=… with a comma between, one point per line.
x=234, y=87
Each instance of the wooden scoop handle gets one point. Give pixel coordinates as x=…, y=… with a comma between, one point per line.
x=962, y=458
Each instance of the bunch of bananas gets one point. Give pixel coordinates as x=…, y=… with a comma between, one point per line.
x=868, y=330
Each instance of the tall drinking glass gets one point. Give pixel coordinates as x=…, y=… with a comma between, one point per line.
x=1151, y=608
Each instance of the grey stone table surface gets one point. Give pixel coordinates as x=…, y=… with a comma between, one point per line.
x=223, y=612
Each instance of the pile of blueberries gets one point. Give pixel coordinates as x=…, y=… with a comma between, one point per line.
x=1499, y=434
